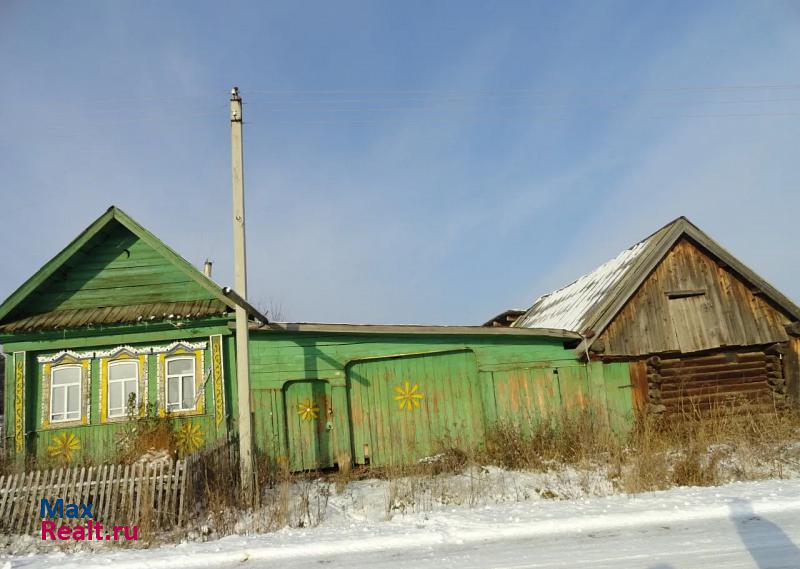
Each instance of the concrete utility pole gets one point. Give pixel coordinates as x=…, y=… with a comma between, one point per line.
x=240, y=281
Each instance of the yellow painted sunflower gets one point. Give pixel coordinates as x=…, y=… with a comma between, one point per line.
x=408, y=395
x=189, y=437
x=63, y=446
x=307, y=410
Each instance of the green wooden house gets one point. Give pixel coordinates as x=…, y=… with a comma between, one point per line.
x=118, y=324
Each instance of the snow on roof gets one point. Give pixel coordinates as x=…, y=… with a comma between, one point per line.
x=571, y=307
x=588, y=304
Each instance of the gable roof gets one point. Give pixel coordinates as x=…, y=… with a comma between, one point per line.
x=40, y=304
x=589, y=304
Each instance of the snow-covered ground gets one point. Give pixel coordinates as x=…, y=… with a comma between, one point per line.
x=745, y=524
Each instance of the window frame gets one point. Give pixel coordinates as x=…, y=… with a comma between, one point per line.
x=167, y=376
x=109, y=382
x=66, y=387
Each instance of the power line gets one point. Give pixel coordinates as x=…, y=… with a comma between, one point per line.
x=519, y=92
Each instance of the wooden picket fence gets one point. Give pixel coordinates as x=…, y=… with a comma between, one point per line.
x=121, y=494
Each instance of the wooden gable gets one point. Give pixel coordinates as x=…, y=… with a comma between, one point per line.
x=114, y=272
x=116, y=268
x=690, y=302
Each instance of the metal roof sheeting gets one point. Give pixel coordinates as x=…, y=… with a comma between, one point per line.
x=573, y=307
x=78, y=318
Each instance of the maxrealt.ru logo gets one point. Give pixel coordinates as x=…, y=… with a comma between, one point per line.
x=91, y=530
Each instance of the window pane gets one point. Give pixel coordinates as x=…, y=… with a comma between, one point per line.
x=73, y=401
x=58, y=403
x=179, y=367
x=65, y=375
x=125, y=370
x=188, y=392
x=131, y=400
x=173, y=395
x=115, y=402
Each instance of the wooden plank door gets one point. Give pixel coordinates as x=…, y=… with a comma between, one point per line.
x=309, y=424
x=405, y=408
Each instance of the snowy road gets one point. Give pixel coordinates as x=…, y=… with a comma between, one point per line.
x=743, y=525
x=748, y=543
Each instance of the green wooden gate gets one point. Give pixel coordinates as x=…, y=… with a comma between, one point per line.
x=404, y=408
x=309, y=424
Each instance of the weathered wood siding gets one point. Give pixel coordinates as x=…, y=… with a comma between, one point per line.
x=727, y=314
x=792, y=370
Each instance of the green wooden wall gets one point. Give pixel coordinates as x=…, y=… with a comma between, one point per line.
x=359, y=389
x=100, y=442
x=319, y=399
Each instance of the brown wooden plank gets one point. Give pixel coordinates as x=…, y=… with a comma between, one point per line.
x=167, y=495
x=718, y=377
x=717, y=390
x=137, y=489
x=184, y=476
x=5, y=493
x=33, y=505
x=99, y=484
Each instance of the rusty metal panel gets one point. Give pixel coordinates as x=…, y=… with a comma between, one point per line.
x=405, y=408
x=309, y=424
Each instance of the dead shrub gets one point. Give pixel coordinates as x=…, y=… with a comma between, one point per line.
x=145, y=432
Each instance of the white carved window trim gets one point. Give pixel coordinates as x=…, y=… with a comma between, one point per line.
x=65, y=388
x=123, y=411
x=180, y=408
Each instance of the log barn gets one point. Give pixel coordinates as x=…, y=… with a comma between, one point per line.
x=696, y=326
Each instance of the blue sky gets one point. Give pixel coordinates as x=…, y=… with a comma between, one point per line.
x=409, y=162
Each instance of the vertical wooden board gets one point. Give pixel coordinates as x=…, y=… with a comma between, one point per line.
x=487, y=397
x=618, y=394
x=340, y=435
x=573, y=385
x=279, y=439
x=8, y=400
x=791, y=371
x=547, y=396
x=261, y=414
x=639, y=387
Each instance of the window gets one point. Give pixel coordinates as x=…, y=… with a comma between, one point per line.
x=180, y=384
x=65, y=393
x=123, y=387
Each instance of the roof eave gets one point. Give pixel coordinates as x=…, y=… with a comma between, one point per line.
x=412, y=329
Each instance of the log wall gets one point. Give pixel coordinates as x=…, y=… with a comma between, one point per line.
x=701, y=384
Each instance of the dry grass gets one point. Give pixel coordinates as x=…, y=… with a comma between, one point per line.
x=692, y=449
x=571, y=438
x=730, y=442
